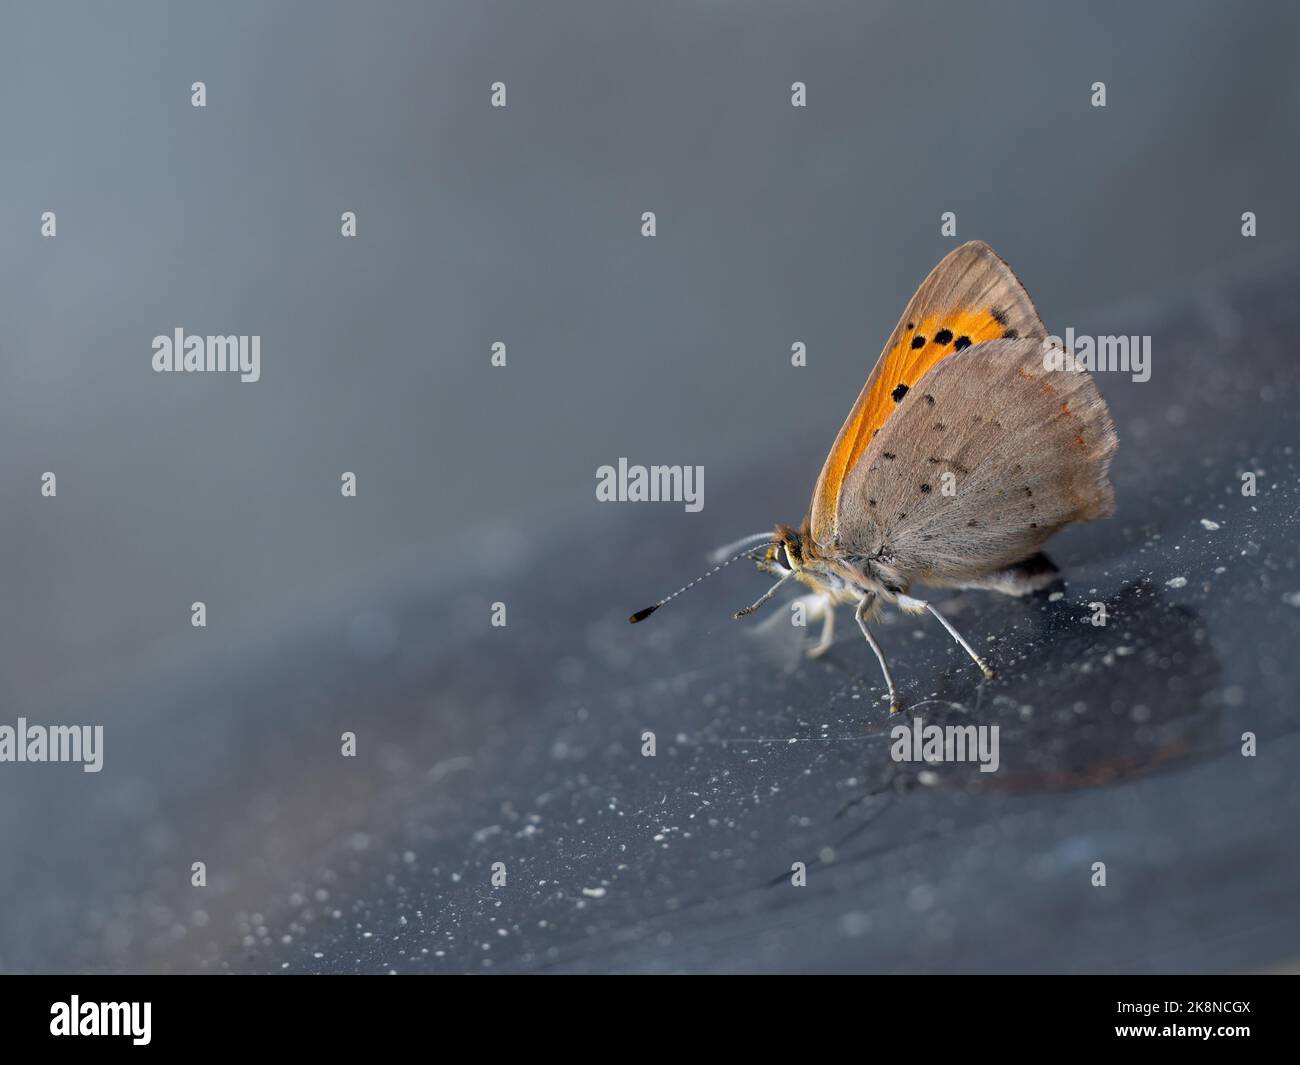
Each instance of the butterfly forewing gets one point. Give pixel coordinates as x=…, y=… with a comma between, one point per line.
x=971, y=297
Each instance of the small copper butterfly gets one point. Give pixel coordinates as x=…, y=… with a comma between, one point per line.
x=961, y=456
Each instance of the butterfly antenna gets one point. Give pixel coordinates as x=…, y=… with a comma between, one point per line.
x=718, y=554
x=641, y=615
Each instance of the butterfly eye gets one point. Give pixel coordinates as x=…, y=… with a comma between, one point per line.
x=785, y=550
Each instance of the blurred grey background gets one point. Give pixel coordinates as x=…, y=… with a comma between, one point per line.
x=775, y=225
x=522, y=225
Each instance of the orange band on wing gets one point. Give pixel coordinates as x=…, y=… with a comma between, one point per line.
x=940, y=335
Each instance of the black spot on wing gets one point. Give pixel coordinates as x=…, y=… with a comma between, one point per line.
x=918, y=341
x=962, y=343
x=899, y=392
x=944, y=336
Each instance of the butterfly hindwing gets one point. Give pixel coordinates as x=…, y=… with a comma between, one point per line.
x=971, y=297
x=979, y=464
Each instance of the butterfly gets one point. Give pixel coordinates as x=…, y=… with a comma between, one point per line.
x=963, y=453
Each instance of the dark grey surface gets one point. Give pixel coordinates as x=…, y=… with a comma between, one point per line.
x=521, y=745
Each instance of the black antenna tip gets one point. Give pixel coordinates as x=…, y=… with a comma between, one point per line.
x=641, y=615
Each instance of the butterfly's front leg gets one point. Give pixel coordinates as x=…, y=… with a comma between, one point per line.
x=863, y=611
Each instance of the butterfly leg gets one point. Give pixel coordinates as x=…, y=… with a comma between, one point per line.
x=916, y=606
x=826, y=610
x=864, y=608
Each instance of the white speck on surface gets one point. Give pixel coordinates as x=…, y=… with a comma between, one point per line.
x=1177, y=582
x=1208, y=525
x=1056, y=597
x=594, y=892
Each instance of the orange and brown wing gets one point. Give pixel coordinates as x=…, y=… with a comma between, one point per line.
x=970, y=297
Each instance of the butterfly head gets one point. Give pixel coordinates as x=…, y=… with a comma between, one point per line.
x=793, y=553
x=782, y=557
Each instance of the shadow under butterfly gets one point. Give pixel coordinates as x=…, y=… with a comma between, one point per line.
x=1153, y=701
